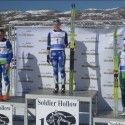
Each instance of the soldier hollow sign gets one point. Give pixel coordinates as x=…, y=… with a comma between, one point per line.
x=57, y=111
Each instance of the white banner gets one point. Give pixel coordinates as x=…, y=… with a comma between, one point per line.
x=57, y=111
x=93, y=60
x=6, y=114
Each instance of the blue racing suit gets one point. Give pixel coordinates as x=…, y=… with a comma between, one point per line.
x=6, y=56
x=57, y=41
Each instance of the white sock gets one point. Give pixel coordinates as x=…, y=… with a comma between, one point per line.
x=63, y=81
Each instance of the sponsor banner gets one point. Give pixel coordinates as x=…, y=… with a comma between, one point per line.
x=110, y=101
x=57, y=111
x=6, y=114
x=108, y=90
x=93, y=59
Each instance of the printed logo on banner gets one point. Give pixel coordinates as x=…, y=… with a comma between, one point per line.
x=60, y=118
x=5, y=114
x=116, y=123
x=4, y=120
x=57, y=111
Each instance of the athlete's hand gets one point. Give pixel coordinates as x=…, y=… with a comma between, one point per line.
x=115, y=71
x=7, y=66
x=70, y=44
x=48, y=59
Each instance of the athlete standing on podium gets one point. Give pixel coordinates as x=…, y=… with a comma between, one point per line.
x=56, y=44
x=6, y=56
x=122, y=75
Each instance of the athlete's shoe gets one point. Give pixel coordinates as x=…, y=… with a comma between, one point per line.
x=5, y=97
x=56, y=89
x=63, y=89
x=1, y=97
x=123, y=114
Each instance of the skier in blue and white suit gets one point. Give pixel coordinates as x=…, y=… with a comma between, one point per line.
x=57, y=42
x=6, y=56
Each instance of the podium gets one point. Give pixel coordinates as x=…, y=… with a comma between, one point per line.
x=89, y=97
x=18, y=104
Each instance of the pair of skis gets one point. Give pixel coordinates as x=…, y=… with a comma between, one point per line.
x=115, y=68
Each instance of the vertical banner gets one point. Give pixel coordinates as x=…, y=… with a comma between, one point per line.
x=31, y=57
x=86, y=59
x=6, y=114
x=57, y=111
x=106, y=64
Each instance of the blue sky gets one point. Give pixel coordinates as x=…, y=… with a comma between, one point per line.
x=59, y=4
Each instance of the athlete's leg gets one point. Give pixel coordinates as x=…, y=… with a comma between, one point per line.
x=5, y=73
x=122, y=86
x=61, y=60
x=0, y=82
x=54, y=62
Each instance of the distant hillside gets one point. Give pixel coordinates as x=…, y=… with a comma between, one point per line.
x=83, y=18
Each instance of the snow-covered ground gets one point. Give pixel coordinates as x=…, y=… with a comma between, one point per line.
x=105, y=16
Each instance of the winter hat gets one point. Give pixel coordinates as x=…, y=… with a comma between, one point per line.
x=57, y=21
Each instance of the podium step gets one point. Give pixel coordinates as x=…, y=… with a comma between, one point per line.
x=18, y=104
x=87, y=103
x=15, y=100
x=106, y=117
